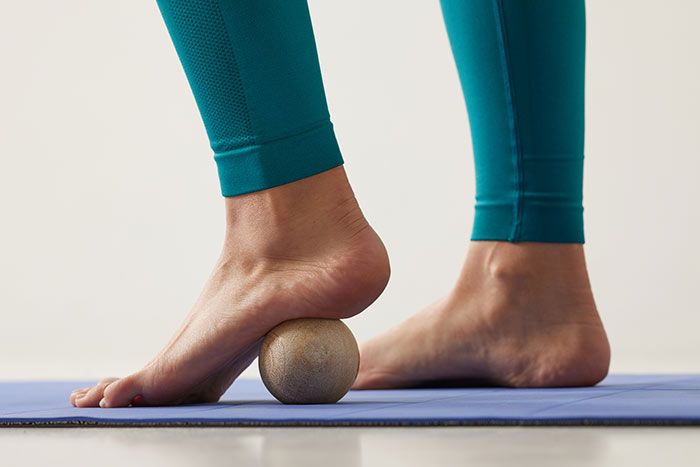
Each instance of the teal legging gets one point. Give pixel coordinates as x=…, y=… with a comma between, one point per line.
x=253, y=68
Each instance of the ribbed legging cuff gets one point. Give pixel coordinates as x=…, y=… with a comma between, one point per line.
x=277, y=162
x=536, y=222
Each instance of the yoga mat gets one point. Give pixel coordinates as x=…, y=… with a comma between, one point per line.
x=618, y=400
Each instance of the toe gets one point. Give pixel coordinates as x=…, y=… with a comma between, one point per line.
x=77, y=394
x=122, y=392
x=92, y=397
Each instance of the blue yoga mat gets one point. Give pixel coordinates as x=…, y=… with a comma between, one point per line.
x=618, y=400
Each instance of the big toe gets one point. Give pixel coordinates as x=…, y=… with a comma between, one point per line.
x=123, y=392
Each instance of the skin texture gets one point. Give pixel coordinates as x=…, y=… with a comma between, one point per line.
x=520, y=314
x=299, y=250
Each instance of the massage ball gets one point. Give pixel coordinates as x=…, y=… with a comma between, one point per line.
x=309, y=361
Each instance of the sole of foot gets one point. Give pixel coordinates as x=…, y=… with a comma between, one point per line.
x=301, y=250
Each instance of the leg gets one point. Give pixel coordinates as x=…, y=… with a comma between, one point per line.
x=522, y=312
x=297, y=244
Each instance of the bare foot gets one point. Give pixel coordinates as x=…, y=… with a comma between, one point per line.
x=299, y=250
x=521, y=315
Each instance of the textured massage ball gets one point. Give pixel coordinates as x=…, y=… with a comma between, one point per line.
x=309, y=361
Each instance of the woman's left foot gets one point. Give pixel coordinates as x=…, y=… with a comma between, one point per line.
x=521, y=315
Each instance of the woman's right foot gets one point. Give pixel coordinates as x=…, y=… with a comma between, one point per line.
x=521, y=315
x=299, y=250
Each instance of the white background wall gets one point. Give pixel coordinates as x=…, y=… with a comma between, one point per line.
x=111, y=218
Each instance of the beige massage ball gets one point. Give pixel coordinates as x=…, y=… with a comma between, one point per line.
x=309, y=361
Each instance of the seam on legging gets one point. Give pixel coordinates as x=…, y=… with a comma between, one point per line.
x=292, y=136
x=515, y=136
x=244, y=89
x=226, y=147
x=256, y=138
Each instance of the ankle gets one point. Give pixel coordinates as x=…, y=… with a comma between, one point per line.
x=529, y=268
x=281, y=219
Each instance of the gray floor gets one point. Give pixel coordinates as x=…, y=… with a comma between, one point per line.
x=350, y=447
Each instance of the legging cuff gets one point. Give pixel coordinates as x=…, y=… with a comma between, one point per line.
x=273, y=163
x=539, y=222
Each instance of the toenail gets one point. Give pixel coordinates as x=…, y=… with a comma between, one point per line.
x=103, y=403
